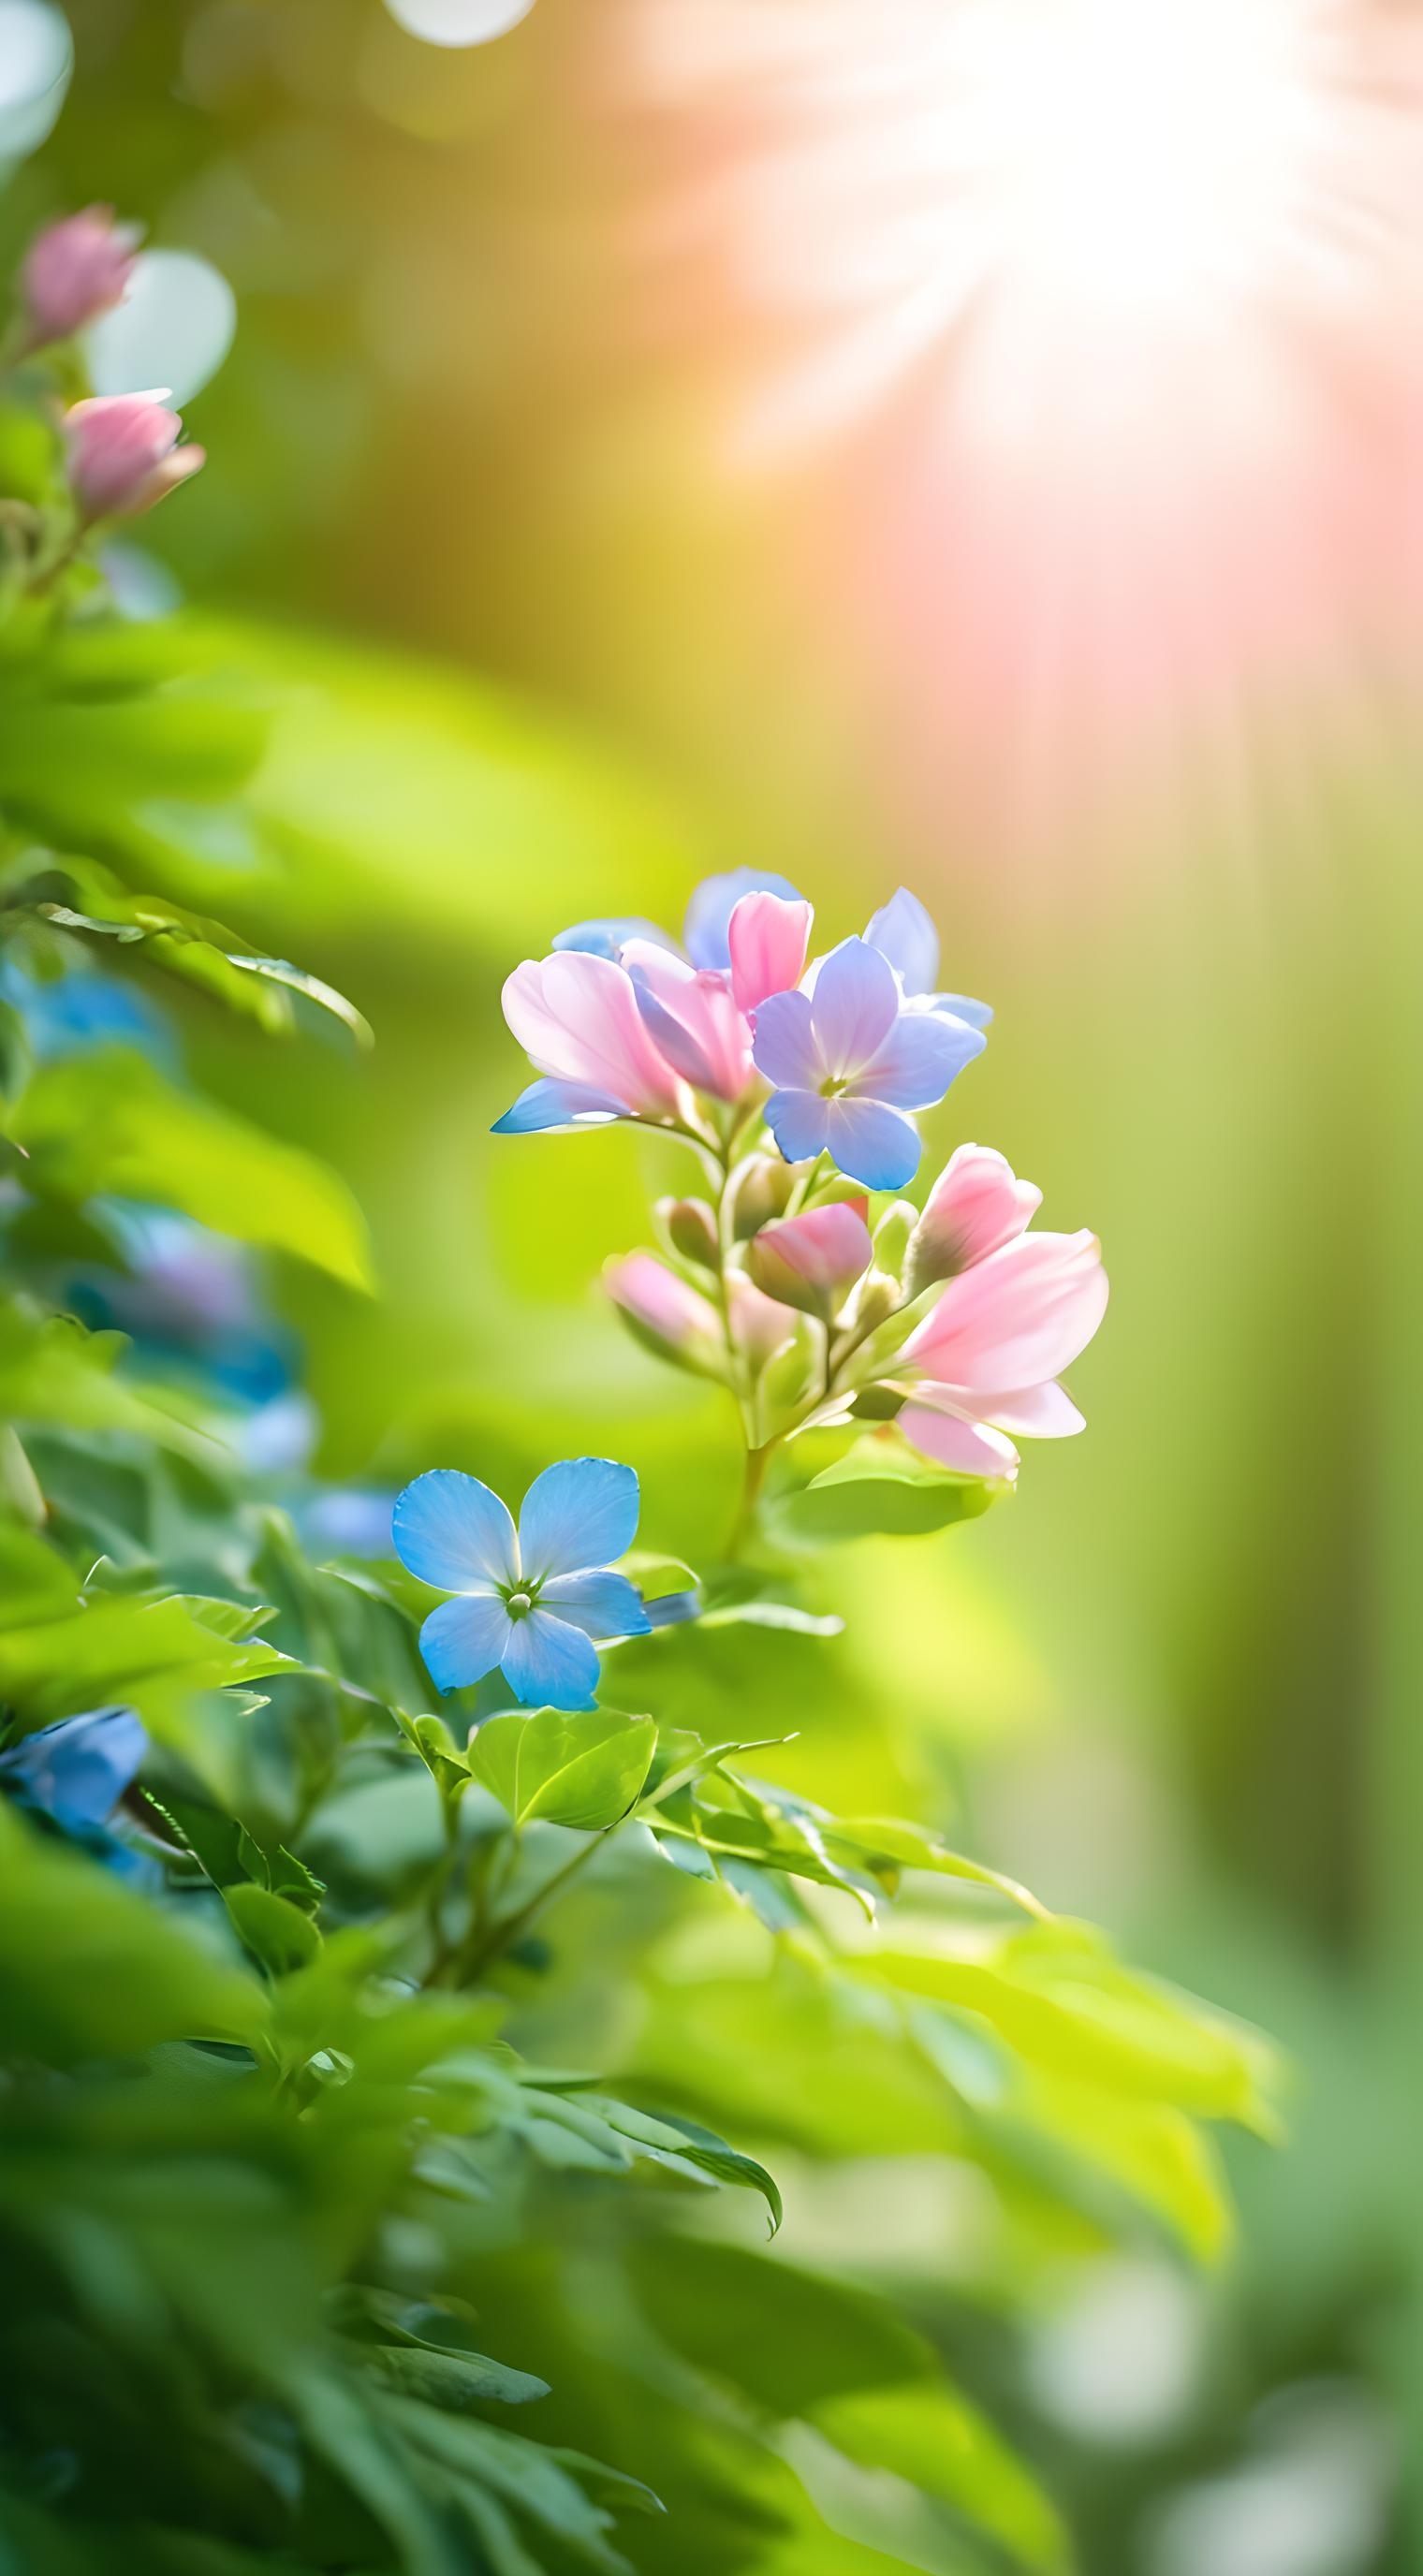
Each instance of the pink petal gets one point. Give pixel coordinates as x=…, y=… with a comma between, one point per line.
x=1017, y=1318
x=759, y=1324
x=768, y=938
x=700, y=1001
x=969, y=1448
x=974, y=1208
x=577, y=1018
x=646, y=1289
x=812, y=1259
x=1033, y=1412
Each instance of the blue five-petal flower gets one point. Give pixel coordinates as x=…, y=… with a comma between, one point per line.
x=849, y=1059
x=528, y=1601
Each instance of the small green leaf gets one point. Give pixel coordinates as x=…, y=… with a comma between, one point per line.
x=881, y=1488
x=583, y=1769
x=276, y=1932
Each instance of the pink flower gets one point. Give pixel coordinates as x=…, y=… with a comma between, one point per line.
x=74, y=271
x=975, y=1206
x=677, y=1318
x=124, y=454
x=577, y=1017
x=690, y=1015
x=986, y=1358
x=768, y=938
x=812, y=1261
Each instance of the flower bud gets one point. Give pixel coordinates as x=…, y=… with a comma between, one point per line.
x=759, y=1191
x=74, y=271
x=892, y=1236
x=664, y=1314
x=690, y=1227
x=975, y=1206
x=877, y=1298
x=124, y=454
x=812, y=1260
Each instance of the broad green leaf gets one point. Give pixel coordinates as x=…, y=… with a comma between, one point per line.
x=877, y=1840
x=583, y=1769
x=155, y=1653
x=882, y=1488
x=53, y=1372
x=926, y=2433
x=275, y=1931
x=111, y=1123
x=93, y=1970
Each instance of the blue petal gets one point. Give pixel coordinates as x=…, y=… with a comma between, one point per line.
x=548, y=1664
x=463, y=1640
x=853, y=1008
x=960, y=1006
x=582, y=1512
x=673, y=1041
x=78, y=1770
x=873, y=1144
x=903, y=932
x=606, y=938
x=799, y=1121
x=672, y=1609
x=452, y=1532
x=918, y=1060
x=712, y=905
x=784, y=1044
x=548, y=1103
x=602, y=1605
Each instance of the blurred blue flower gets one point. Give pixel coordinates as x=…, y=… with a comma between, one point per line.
x=530, y=1601
x=849, y=1058
x=904, y=932
x=609, y=938
x=72, y=1775
x=70, y=1013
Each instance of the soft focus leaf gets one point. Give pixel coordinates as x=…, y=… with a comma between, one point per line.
x=881, y=1487
x=582, y=1770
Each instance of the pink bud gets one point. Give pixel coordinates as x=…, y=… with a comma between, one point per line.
x=662, y=1308
x=74, y=271
x=124, y=454
x=767, y=938
x=975, y=1206
x=811, y=1261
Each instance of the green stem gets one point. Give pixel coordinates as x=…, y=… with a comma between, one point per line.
x=485, y=1943
x=757, y=1462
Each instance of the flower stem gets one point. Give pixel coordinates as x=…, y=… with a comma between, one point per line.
x=757, y=1461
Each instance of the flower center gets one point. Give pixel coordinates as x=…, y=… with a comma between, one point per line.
x=518, y=1604
x=833, y=1085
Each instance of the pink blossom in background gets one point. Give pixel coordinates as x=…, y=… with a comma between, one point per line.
x=663, y=1304
x=124, y=455
x=74, y=271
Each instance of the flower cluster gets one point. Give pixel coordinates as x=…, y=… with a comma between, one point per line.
x=120, y=451
x=797, y=1081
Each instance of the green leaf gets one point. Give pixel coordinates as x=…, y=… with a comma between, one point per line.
x=455, y=2381
x=109, y=1122
x=157, y=1653
x=925, y=2432
x=53, y=1372
x=879, y=1841
x=276, y=1932
x=881, y=1488
x=582, y=1769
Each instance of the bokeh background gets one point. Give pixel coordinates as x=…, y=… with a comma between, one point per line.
x=972, y=446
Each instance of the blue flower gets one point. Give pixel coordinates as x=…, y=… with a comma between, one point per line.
x=530, y=1601
x=904, y=932
x=849, y=1058
x=73, y=1774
